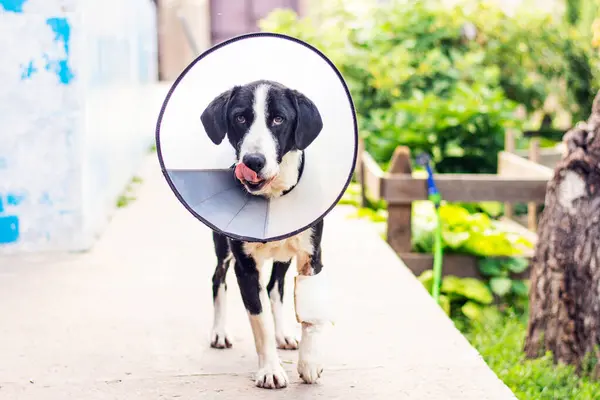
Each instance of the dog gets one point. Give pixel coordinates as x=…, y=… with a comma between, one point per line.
x=269, y=125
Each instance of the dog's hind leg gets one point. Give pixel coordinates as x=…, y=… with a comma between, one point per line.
x=219, y=338
x=275, y=290
x=271, y=374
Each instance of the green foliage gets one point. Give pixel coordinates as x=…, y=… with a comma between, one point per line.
x=469, y=288
x=493, y=209
x=499, y=274
x=469, y=299
x=478, y=234
x=573, y=11
x=500, y=341
x=581, y=14
x=417, y=80
x=555, y=61
x=463, y=232
x=501, y=285
x=461, y=297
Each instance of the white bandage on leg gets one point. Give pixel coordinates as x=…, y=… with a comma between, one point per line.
x=313, y=300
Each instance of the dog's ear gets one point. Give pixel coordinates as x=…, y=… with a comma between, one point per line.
x=214, y=117
x=308, y=120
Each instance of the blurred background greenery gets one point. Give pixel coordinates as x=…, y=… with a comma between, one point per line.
x=451, y=78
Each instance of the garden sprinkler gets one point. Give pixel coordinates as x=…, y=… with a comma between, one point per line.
x=434, y=196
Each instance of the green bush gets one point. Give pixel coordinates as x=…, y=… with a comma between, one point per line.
x=418, y=80
x=581, y=15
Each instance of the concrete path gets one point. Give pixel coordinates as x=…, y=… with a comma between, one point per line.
x=131, y=320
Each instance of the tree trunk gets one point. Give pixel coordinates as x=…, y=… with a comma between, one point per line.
x=564, y=298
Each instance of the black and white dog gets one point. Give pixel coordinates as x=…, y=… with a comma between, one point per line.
x=269, y=126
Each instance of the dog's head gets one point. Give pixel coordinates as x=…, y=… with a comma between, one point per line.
x=268, y=125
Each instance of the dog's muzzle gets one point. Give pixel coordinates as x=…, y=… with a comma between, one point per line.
x=250, y=178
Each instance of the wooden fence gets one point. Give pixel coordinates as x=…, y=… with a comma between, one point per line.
x=518, y=180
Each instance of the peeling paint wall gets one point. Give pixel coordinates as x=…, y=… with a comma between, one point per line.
x=73, y=125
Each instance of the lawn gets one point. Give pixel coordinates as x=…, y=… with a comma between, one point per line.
x=500, y=342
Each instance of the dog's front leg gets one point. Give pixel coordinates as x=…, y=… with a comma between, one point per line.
x=313, y=310
x=271, y=374
x=275, y=289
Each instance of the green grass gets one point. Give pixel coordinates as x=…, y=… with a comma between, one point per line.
x=500, y=342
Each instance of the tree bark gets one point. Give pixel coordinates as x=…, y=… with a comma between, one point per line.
x=564, y=300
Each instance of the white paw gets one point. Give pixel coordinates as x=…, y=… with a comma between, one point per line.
x=271, y=376
x=310, y=362
x=285, y=342
x=220, y=340
x=309, y=372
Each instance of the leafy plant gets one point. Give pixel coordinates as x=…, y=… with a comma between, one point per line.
x=499, y=273
x=493, y=209
x=464, y=232
x=477, y=234
x=469, y=297
x=461, y=297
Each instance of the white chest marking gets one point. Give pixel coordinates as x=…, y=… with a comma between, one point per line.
x=281, y=250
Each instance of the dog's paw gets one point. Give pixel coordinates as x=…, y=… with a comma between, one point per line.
x=309, y=372
x=271, y=376
x=220, y=340
x=285, y=342
x=310, y=362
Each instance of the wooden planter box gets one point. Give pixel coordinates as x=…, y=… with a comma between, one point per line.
x=518, y=180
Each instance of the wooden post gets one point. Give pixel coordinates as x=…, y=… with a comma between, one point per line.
x=399, y=215
x=534, y=156
x=509, y=146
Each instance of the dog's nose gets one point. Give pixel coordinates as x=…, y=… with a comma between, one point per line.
x=254, y=161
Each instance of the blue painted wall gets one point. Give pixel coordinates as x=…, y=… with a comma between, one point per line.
x=15, y=6
x=73, y=129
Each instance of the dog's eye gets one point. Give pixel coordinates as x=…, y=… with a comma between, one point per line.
x=240, y=119
x=277, y=120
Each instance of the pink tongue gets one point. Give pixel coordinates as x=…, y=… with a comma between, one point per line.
x=245, y=173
